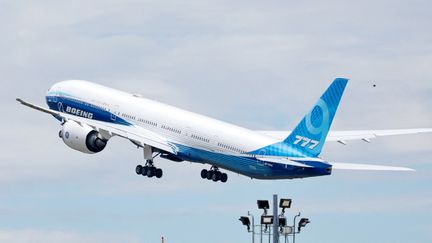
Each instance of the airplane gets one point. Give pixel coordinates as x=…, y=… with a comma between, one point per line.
x=91, y=114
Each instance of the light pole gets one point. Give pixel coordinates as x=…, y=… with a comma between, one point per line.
x=253, y=227
x=294, y=231
x=247, y=222
x=277, y=221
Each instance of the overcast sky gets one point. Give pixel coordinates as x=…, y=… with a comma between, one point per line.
x=258, y=64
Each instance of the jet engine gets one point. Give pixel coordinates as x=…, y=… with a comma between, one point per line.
x=82, y=138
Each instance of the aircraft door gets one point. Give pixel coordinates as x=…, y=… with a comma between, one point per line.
x=59, y=100
x=60, y=107
x=187, y=131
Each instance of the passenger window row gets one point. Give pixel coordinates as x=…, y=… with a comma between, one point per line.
x=128, y=116
x=171, y=129
x=200, y=138
x=147, y=122
x=230, y=148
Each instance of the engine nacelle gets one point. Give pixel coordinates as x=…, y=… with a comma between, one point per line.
x=82, y=138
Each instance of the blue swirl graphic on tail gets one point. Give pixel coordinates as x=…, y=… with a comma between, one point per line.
x=308, y=138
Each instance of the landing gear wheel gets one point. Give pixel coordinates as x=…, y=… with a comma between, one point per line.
x=144, y=170
x=224, y=178
x=204, y=173
x=158, y=173
x=138, y=169
x=216, y=176
x=210, y=174
x=151, y=172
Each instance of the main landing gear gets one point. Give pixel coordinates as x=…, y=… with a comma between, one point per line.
x=214, y=174
x=149, y=169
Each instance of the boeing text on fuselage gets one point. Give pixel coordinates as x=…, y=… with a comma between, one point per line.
x=79, y=112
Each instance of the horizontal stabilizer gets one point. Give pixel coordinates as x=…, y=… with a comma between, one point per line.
x=349, y=166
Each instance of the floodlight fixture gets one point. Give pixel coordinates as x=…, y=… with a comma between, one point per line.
x=266, y=219
x=286, y=230
x=245, y=221
x=263, y=204
x=302, y=223
x=282, y=222
x=285, y=203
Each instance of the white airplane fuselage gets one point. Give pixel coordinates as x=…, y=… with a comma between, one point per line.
x=199, y=138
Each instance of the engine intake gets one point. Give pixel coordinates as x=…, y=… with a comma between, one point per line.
x=82, y=138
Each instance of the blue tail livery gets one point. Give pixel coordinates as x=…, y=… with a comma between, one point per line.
x=308, y=138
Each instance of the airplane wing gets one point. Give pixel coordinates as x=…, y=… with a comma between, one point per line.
x=136, y=134
x=349, y=166
x=344, y=136
x=36, y=107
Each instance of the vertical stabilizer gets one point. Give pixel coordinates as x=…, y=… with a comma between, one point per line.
x=310, y=134
x=308, y=138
